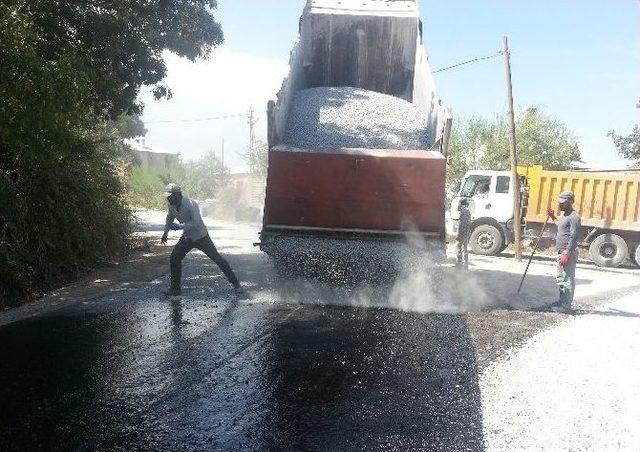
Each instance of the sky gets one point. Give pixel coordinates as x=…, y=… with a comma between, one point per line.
x=578, y=61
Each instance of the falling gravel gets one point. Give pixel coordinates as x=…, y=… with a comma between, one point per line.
x=324, y=118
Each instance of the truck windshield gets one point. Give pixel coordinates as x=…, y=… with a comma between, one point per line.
x=475, y=185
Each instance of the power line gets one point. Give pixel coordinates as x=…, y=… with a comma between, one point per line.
x=212, y=118
x=469, y=62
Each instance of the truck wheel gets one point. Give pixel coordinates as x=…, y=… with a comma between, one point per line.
x=636, y=256
x=609, y=250
x=486, y=240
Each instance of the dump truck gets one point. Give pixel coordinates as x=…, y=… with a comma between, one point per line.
x=352, y=189
x=607, y=201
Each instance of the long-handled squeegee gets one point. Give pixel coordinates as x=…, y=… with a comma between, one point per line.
x=535, y=248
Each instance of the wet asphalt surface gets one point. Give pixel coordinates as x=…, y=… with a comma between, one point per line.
x=280, y=370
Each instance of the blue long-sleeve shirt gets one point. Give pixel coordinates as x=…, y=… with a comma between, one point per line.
x=568, y=231
x=188, y=214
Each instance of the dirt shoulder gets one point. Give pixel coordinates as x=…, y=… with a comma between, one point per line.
x=140, y=265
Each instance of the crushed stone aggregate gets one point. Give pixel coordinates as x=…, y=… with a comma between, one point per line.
x=345, y=117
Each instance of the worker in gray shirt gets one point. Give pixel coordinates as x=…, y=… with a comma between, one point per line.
x=195, y=235
x=567, y=249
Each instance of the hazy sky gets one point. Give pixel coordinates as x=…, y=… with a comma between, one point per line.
x=577, y=60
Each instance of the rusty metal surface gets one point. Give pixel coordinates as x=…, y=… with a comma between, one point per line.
x=363, y=189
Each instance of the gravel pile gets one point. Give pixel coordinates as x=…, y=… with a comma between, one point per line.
x=412, y=273
x=324, y=118
x=572, y=387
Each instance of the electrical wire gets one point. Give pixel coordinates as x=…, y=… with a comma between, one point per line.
x=468, y=62
x=212, y=118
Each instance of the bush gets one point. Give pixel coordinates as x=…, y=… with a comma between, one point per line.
x=145, y=187
x=62, y=216
x=61, y=183
x=201, y=179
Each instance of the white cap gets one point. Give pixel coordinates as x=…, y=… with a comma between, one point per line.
x=171, y=189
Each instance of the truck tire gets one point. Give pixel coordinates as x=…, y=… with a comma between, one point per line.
x=636, y=256
x=486, y=240
x=609, y=250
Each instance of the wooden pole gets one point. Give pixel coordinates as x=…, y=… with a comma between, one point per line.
x=252, y=123
x=517, y=218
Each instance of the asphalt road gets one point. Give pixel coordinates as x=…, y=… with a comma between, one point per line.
x=297, y=365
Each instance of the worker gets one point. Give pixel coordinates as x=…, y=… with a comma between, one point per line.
x=464, y=228
x=567, y=249
x=194, y=235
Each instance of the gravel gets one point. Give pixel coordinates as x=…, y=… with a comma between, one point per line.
x=408, y=275
x=324, y=118
x=572, y=387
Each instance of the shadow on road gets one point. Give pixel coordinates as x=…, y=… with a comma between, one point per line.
x=298, y=366
x=372, y=379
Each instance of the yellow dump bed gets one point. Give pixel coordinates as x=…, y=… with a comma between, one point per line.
x=609, y=200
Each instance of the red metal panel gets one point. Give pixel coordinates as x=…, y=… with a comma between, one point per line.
x=357, y=188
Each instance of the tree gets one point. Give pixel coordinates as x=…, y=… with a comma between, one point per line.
x=130, y=126
x=258, y=160
x=479, y=143
x=203, y=178
x=628, y=146
x=121, y=41
x=67, y=70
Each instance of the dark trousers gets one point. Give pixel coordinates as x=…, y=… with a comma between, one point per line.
x=205, y=245
x=463, y=252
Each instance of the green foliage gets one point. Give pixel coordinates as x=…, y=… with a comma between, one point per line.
x=258, y=160
x=61, y=216
x=479, y=143
x=628, y=146
x=65, y=69
x=130, y=126
x=36, y=119
x=201, y=179
x=122, y=41
x=145, y=187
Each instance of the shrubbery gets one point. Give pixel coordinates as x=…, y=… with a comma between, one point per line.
x=200, y=179
x=68, y=72
x=61, y=173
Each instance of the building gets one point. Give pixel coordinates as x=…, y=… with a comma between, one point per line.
x=151, y=157
x=250, y=189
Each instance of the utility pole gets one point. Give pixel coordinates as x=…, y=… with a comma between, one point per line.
x=517, y=211
x=252, y=123
x=222, y=152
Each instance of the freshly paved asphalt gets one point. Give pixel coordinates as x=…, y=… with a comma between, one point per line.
x=284, y=369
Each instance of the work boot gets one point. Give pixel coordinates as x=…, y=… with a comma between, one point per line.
x=560, y=309
x=240, y=292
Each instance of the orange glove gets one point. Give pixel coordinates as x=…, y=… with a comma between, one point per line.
x=564, y=258
x=551, y=214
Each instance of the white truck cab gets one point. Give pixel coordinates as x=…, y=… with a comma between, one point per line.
x=490, y=195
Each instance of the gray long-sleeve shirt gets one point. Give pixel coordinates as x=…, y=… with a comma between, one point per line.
x=187, y=214
x=568, y=231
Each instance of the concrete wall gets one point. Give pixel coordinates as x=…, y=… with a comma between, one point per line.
x=154, y=160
